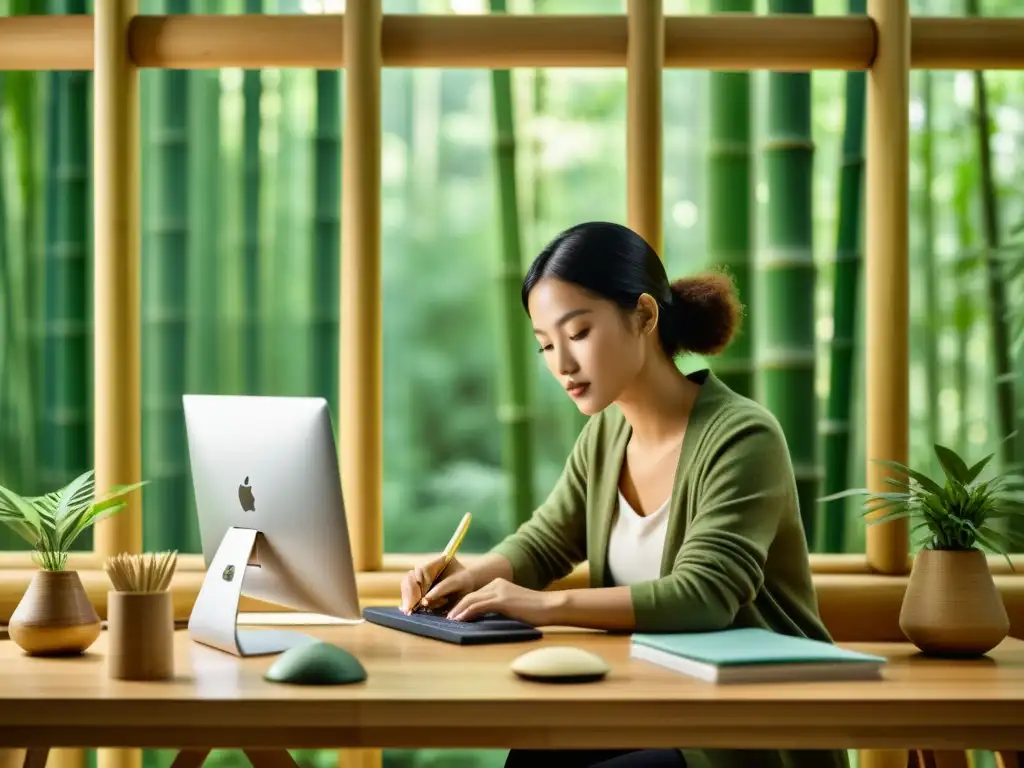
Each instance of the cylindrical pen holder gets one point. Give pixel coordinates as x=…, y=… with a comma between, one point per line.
x=140, y=626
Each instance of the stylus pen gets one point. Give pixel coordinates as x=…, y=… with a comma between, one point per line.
x=449, y=552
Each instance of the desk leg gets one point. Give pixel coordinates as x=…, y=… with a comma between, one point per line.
x=942, y=758
x=24, y=758
x=190, y=758
x=370, y=758
x=270, y=758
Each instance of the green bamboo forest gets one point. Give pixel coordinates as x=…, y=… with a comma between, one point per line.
x=241, y=198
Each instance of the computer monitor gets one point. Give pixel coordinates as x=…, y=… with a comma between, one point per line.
x=271, y=516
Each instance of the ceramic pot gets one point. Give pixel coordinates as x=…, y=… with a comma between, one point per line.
x=951, y=606
x=54, y=617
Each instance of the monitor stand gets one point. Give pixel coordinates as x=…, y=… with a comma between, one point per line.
x=214, y=617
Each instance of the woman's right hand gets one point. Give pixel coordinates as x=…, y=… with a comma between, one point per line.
x=455, y=582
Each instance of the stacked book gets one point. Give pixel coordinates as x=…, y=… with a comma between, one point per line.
x=751, y=655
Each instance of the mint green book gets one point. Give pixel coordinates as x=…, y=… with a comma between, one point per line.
x=754, y=655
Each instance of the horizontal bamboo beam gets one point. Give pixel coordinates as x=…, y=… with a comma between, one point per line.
x=974, y=43
x=854, y=607
x=720, y=41
x=824, y=563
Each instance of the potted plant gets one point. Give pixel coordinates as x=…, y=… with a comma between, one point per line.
x=54, y=616
x=951, y=606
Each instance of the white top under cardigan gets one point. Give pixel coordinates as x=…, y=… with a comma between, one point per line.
x=636, y=543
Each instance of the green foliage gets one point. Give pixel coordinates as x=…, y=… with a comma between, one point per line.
x=955, y=512
x=51, y=523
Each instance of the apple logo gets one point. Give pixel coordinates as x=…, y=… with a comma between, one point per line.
x=245, y=496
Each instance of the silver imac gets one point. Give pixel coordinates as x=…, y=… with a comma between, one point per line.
x=271, y=516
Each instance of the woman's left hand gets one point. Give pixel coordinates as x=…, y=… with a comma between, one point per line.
x=508, y=599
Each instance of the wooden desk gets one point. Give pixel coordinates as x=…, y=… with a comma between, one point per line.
x=423, y=693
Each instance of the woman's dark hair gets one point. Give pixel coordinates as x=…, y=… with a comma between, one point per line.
x=698, y=314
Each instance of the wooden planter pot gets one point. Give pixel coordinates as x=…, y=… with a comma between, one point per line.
x=54, y=617
x=952, y=606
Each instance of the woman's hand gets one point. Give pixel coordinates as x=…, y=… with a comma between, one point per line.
x=455, y=581
x=508, y=599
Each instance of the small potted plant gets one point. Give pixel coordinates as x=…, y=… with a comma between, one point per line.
x=951, y=606
x=54, y=616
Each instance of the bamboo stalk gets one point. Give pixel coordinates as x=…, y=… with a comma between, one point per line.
x=286, y=371
x=326, y=238
x=361, y=324
x=207, y=218
x=730, y=202
x=17, y=411
x=998, y=325
x=928, y=265
x=251, y=306
x=964, y=309
x=737, y=42
x=24, y=259
x=66, y=440
x=165, y=313
x=836, y=431
x=787, y=276
x=11, y=459
x=886, y=271
x=514, y=408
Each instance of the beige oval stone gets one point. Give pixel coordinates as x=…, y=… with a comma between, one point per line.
x=559, y=663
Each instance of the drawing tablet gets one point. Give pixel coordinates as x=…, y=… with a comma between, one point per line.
x=490, y=628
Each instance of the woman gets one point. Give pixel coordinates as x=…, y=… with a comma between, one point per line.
x=679, y=492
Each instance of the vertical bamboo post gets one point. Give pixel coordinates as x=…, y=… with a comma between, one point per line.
x=118, y=411
x=361, y=375
x=886, y=269
x=644, y=60
x=118, y=417
x=887, y=286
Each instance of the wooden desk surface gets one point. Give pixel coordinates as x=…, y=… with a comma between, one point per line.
x=422, y=693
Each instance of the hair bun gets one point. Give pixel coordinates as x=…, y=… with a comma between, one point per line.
x=706, y=313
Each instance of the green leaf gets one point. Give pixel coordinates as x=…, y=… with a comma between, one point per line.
x=122, y=490
x=111, y=503
x=67, y=503
x=25, y=510
x=895, y=515
x=96, y=512
x=875, y=505
x=21, y=528
x=845, y=494
x=952, y=464
x=922, y=478
x=50, y=523
x=974, y=471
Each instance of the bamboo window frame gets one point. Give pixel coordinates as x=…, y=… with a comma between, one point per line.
x=886, y=42
x=116, y=42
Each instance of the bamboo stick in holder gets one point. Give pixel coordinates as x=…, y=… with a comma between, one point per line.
x=140, y=616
